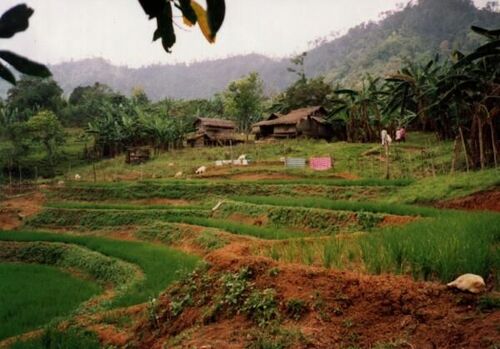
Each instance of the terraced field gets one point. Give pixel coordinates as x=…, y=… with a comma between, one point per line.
x=272, y=252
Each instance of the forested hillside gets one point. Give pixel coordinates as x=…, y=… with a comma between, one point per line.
x=415, y=32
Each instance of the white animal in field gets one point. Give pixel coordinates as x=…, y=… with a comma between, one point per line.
x=60, y=183
x=201, y=170
x=78, y=177
x=242, y=157
x=178, y=174
x=469, y=282
x=282, y=159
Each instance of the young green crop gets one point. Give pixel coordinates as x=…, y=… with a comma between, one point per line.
x=159, y=263
x=32, y=295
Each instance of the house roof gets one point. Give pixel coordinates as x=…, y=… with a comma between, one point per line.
x=295, y=116
x=215, y=122
x=221, y=137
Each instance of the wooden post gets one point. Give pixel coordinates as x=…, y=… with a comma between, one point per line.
x=456, y=151
x=481, y=145
x=493, y=143
x=464, y=148
x=387, y=160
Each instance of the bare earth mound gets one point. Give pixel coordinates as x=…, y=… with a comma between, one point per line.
x=482, y=201
x=338, y=310
x=14, y=210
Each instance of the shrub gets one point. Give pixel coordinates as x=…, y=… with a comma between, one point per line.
x=262, y=307
x=296, y=308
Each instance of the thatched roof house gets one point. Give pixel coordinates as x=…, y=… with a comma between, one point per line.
x=213, y=132
x=307, y=122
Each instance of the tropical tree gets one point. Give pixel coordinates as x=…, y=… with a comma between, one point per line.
x=46, y=129
x=31, y=95
x=360, y=110
x=243, y=101
x=471, y=93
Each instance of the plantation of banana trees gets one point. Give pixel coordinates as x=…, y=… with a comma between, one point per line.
x=457, y=99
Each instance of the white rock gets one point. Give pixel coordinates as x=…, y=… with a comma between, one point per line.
x=469, y=282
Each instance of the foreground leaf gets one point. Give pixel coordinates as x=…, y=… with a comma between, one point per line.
x=153, y=8
x=24, y=65
x=216, y=11
x=165, y=29
x=189, y=16
x=201, y=14
x=7, y=75
x=15, y=20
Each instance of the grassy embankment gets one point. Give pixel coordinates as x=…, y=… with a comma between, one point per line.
x=421, y=156
x=159, y=264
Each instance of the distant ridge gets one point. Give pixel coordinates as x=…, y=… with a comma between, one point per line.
x=417, y=32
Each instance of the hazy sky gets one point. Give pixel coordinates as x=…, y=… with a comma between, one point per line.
x=118, y=30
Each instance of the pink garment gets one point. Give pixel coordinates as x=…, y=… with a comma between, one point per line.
x=320, y=164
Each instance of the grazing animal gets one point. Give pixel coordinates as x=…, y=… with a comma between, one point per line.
x=242, y=157
x=201, y=170
x=178, y=174
x=469, y=282
x=77, y=177
x=60, y=183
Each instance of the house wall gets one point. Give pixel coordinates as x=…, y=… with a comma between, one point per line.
x=313, y=129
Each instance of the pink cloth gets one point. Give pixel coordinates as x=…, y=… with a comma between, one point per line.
x=320, y=164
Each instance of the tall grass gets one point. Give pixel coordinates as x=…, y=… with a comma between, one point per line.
x=437, y=248
x=32, y=295
x=366, y=206
x=160, y=264
x=120, y=207
x=238, y=228
x=52, y=338
x=96, y=219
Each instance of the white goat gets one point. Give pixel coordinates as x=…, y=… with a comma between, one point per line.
x=201, y=170
x=469, y=282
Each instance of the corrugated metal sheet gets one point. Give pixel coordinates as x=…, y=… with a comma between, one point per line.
x=295, y=162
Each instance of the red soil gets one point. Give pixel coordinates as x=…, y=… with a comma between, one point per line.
x=15, y=209
x=343, y=309
x=488, y=200
x=390, y=220
x=241, y=218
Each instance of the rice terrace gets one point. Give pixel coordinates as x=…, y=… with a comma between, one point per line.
x=322, y=200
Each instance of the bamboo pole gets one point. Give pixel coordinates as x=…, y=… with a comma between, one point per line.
x=464, y=148
x=481, y=145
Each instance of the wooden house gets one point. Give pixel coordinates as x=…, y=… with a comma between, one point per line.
x=213, y=132
x=305, y=122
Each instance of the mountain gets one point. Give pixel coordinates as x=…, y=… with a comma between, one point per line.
x=197, y=80
x=417, y=31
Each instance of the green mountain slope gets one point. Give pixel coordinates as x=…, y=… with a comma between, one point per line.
x=417, y=31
